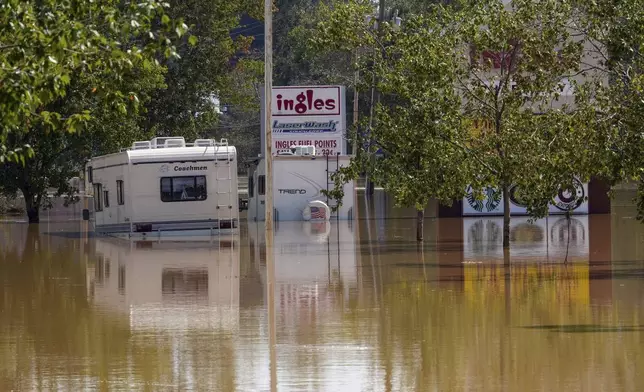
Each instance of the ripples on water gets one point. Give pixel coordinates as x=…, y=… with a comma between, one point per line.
x=355, y=307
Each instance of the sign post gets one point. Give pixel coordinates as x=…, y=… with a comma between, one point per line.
x=268, y=87
x=268, y=158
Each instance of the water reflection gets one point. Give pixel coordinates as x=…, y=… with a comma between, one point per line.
x=357, y=306
x=168, y=285
x=547, y=240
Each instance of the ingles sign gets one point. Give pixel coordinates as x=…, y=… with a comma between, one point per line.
x=306, y=101
x=307, y=116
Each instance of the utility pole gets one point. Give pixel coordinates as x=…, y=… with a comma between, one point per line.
x=375, y=94
x=268, y=94
x=268, y=185
x=359, y=144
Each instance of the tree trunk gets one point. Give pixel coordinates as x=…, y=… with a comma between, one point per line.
x=32, y=207
x=506, y=216
x=420, y=220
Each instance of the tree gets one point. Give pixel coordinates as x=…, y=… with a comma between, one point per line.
x=532, y=138
x=201, y=73
x=240, y=121
x=418, y=125
x=521, y=60
x=615, y=34
x=45, y=43
x=123, y=93
x=60, y=156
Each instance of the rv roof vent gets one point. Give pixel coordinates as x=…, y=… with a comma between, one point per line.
x=143, y=145
x=222, y=142
x=174, y=142
x=204, y=142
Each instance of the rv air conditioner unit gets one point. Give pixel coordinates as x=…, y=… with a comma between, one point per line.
x=204, y=142
x=143, y=145
x=162, y=142
x=174, y=143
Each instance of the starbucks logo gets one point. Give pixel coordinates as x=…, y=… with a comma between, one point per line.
x=570, y=198
x=488, y=204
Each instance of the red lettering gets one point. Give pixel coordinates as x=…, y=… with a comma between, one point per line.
x=309, y=98
x=325, y=143
x=285, y=143
x=301, y=106
x=304, y=102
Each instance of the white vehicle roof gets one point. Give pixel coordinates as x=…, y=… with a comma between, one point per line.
x=173, y=149
x=172, y=154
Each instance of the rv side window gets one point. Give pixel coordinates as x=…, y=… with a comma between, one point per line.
x=98, y=195
x=120, y=199
x=90, y=174
x=106, y=198
x=251, y=186
x=261, y=185
x=183, y=188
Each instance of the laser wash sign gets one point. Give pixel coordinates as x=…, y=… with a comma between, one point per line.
x=308, y=116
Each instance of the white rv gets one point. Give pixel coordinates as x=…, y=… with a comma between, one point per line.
x=298, y=179
x=165, y=186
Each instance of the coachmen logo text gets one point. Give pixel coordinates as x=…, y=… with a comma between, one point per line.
x=190, y=168
x=165, y=168
x=292, y=191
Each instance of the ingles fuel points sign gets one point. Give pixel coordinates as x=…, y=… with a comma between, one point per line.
x=308, y=116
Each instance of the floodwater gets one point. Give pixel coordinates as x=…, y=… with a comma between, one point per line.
x=339, y=307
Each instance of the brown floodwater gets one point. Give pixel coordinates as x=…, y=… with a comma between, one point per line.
x=345, y=306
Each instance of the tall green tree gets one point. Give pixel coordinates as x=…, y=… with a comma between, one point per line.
x=445, y=74
x=240, y=122
x=65, y=66
x=45, y=43
x=522, y=67
x=60, y=156
x=200, y=75
x=136, y=75
x=614, y=31
x=418, y=126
